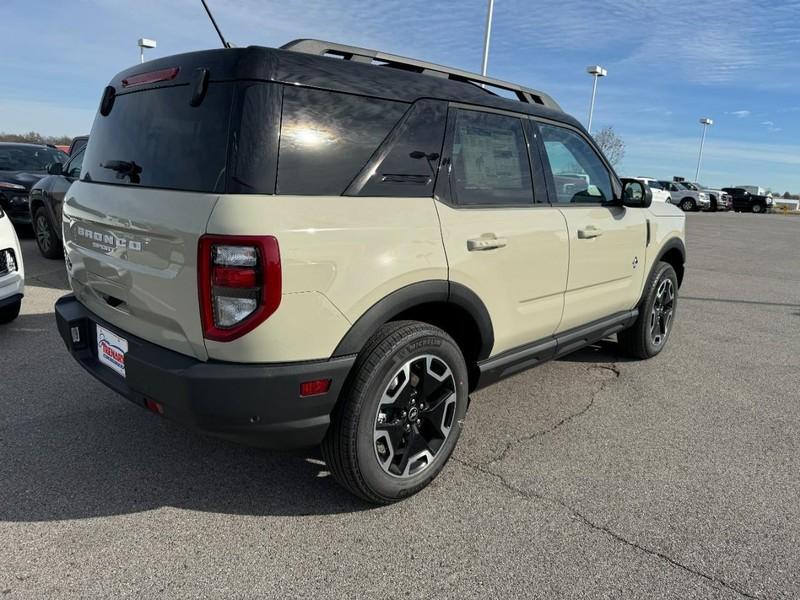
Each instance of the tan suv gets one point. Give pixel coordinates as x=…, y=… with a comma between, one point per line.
x=326, y=244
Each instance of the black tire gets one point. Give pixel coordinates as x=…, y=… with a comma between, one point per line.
x=46, y=239
x=351, y=446
x=758, y=208
x=638, y=341
x=10, y=312
x=687, y=205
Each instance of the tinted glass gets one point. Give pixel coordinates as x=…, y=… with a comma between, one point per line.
x=327, y=137
x=28, y=158
x=77, y=145
x=154, y=138
x=73, y=167
x=490, y=163
x=407, y=163
x=578, y=172
x=254, y=151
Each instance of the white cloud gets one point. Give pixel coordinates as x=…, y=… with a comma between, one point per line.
x=741, y=114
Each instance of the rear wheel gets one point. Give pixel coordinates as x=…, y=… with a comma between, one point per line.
x=649, y=334
x=687, y=204
x=400, y=414
x=46, y=238
x=10, y=312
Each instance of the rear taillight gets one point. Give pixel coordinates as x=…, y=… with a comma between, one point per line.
x=239, y=281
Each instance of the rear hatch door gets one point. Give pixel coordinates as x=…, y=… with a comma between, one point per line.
x=153, y=169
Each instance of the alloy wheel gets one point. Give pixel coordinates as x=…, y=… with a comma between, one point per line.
x=661, y=315
x=43, y=236
x=415, y=416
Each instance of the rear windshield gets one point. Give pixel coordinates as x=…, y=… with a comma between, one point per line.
x=155, y=138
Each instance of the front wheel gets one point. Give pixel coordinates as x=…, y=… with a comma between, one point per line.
x=649, y=334
x=687, y=205
x=400, y=414
x=758, y=208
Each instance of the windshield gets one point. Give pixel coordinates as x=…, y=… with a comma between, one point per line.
x=29, y=158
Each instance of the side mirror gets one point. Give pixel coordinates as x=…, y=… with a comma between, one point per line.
x=636, y=194
x=55, y=168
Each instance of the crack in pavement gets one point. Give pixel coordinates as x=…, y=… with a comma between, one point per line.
x=509, y=445
x=716, y=581
x=528, y=495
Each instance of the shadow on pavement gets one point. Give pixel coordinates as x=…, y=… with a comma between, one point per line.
x=71, y=449
x=120, y=460
x=604, y=351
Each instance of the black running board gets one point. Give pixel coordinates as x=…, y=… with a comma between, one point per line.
x=525, y=357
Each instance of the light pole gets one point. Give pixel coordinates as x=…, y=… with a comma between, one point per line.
x=144, y=43
x=596, y=71
x=486, y=36
x=705, y=122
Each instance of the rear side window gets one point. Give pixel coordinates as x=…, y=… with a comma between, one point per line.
x=490, y=163
x=407, y=162
x=154, y=138
x=328, y=137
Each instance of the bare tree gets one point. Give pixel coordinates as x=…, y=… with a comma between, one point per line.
x=611, y=144
x=33, y=137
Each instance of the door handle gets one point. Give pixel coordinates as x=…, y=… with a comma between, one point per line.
x=589, y=232
x=487, y=241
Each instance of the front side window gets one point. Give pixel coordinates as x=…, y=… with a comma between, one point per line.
x=578, y=172
x=74, y=166
x=490, y=164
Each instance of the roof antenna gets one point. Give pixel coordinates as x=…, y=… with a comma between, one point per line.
x=213, y=22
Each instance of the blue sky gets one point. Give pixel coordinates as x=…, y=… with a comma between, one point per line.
x=669, y=63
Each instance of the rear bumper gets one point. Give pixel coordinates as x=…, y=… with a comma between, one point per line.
x=255, y=404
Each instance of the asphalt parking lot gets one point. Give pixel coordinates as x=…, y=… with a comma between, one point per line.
x=589, y=477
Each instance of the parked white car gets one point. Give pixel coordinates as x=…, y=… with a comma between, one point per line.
x=12, y=274
x=659, y=195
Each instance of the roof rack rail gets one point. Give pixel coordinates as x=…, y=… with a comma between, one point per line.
x=364, y=55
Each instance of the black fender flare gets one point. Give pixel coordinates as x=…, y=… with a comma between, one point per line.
x=413, y=295
x=671, y=244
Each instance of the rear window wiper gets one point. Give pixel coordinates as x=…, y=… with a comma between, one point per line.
x=124, y=168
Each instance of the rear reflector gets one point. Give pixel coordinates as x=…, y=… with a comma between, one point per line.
x=151, y=77
x=235, y=277
x=154, y=406
x=315, y=387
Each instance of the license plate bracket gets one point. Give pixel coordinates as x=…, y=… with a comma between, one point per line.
x=111, y=350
